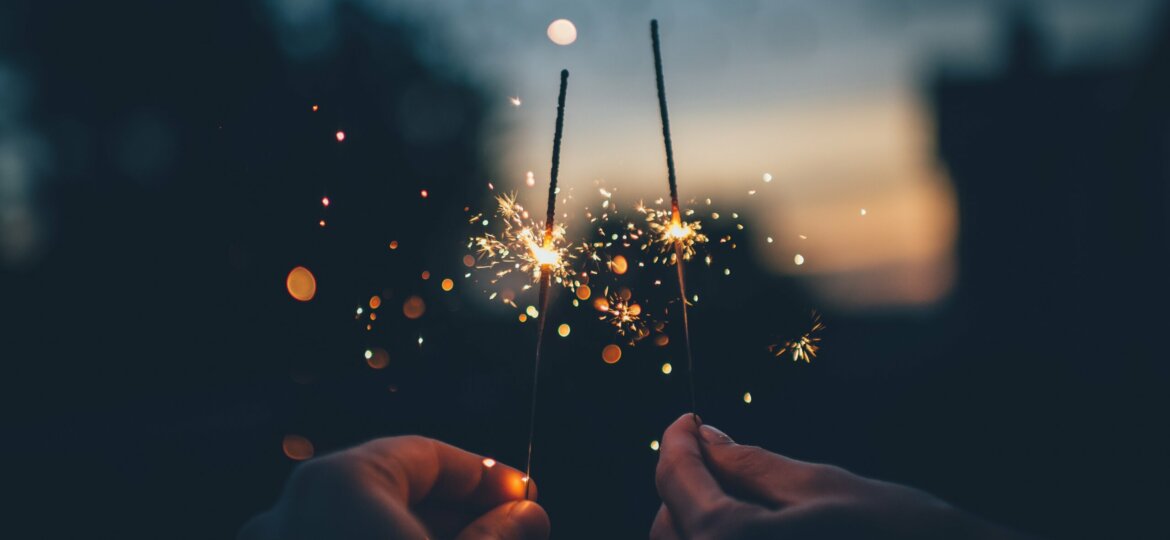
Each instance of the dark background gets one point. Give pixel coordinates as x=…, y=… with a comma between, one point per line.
x=152, y=360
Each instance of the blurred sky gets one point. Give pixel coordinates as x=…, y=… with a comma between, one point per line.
x=824, y=96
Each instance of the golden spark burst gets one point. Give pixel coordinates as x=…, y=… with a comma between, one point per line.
x=624, y=314
x=804, y=347
x=521, y=247
x=668, y=231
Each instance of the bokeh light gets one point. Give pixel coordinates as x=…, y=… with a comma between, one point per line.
x=611, y=354
x=583, y=292
x=747, y=397
x=654, y=445
x=667, y=368
x=375, y=302
x=378, y=359
x=340, y=136
x=619, y=265
x=301, y=284
x=562, y=32
x=448, y=284
x=563, y=330
x=297, y=448
x=414, y=307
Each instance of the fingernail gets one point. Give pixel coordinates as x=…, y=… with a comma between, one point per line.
x=713, y=436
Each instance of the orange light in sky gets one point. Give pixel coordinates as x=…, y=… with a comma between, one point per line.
x=611, y=354
x=301, y=284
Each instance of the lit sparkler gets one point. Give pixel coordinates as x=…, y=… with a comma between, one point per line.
x=548, y=259
x=678, y=233
x=524, y=246
x=804, y=347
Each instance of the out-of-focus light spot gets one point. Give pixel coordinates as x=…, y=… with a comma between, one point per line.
x=414, y=307
x=751, y=192
x=373, y=316
x=747, y=397
x=394, y=244
x=489, y=462
x=369, y=354
x=297, y=448
x=619, y=265
x=654, y=445
x=468, y=261
x=340, y=136
x=360, y=310
x=315, y=108
x=667, y=368
x=601, y=304
x=727, y=271
x=515, y=101
x=583, y=292
x=863, y=212
x=522, y=317
x=321, y=223
x=375, y=302
x=611, y=354
x=563, y=330
x=532, y=312
x=562, y=32
x=324, y=201
x=770, y=240
x=301, y=284
x=425, y=275
x=379, y=359
x=530, y=179
x=420, y=341
x=423, y=193
x=798, y=259
x=662, y=340
x=767, y=177
x=448, y=284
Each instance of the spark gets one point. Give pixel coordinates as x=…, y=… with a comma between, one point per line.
x=747, y=397
x=340, y=136
x=767, y=177
x=798, y=259
x=654, y=445
x=804, y=347
x=325, y=201
x=863, y=212
x=624, y=315
x=521, y=247
x=489, y=462
x=669, y=231
x=515, y=101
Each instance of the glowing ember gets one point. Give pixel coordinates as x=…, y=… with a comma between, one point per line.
x=611, y=354
x=667, y=368
x=297, y=448
x=747, y=397
x=563, y=330
x=448, y=284
x=423, y=193
x=325, y=201
x=301, y=284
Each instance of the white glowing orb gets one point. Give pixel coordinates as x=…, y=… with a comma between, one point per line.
x=562, y=32
x=798, y=259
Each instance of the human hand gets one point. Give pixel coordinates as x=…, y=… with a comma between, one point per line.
x=712, y=487
x=402, y=487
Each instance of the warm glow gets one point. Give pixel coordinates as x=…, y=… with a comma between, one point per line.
x=324, y=201
x=321, y=223
x=378, y=358
x=375, y=302
x=583, y=292
x=619, y=265
x=489, y=462
x=747, y=397
x=798, y=259
x=414, y=307
x=654, y=445
x=448, y=284
x=666, y=368
x=394, y=244
x=532, y=312
x=423, y=193
x=301, y=284
x=544, y=256
x=340, y=136
x=563, y=330
x=562, y=32
x=297, y=447
x=315, y=108
x=425, y=275
x=468, y=261
x=601, y=304
x=611, y=354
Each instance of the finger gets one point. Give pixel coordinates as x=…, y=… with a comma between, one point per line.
x=663, y=527
x=522, y=520
x=417, y=469
x=755, y=472
x=684, y=483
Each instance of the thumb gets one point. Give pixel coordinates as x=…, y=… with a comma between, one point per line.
x=752, y=471
x=520, y=520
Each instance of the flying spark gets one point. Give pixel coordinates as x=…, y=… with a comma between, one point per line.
x=804, y=347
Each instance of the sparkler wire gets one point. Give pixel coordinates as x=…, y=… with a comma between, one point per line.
x=545, y=274
x=675, y=213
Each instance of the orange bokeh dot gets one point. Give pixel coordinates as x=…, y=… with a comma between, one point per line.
x=600, y=304
x=297, y=447
x=340, y=136
x=619, y=265
x=414, y=307
x=301, y=284
x=373, y=316
x=375, y=302
x=662, y=340
x=426, y=275
x=468, y=261
x=611, y=354
x=635, y=310
x=394, y=244
x=424, y=193
x=448, y=284
x=583, y=292
x=379, y=360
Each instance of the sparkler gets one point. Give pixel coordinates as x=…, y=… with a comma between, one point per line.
x=548, y=259
x=680, y=235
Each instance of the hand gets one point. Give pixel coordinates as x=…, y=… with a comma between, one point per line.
x=402, y=487
x=712, y=487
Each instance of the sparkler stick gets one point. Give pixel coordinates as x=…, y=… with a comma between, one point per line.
x=677, y=229
x=546, y=271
